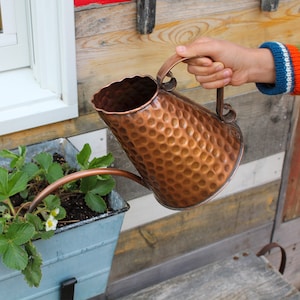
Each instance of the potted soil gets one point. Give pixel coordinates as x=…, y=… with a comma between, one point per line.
x=68, y=236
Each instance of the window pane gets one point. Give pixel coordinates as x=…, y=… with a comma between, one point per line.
x=14, y=46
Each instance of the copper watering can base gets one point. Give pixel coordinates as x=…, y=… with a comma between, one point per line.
x=184, y=153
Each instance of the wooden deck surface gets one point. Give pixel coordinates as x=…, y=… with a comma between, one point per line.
x=241, y=276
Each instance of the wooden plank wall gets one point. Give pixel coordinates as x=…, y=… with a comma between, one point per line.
x=291, y=209
x=141, y=250
x=109, y=48
x=109, y=51
x=287, y=223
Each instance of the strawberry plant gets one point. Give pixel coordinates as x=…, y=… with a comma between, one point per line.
x=21, y=182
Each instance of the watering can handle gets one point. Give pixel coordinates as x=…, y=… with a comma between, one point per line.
x=165, y=71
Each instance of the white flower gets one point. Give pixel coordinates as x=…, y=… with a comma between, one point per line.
x=54, y=212
x=51, y=223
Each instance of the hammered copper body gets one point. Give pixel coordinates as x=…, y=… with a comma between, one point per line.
x=184, y=153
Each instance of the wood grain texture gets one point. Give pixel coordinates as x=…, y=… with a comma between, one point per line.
x=240, y=276
x=288, y=236
x=109, y=48
x=102, y=19
x=108, y=53
x=292, y=271
x=253, y=239
x=291, y=209
x=170, y=237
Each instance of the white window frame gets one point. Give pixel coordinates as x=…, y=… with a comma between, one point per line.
x=45, y=92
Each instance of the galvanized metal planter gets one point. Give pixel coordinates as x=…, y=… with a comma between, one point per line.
x=83, y=251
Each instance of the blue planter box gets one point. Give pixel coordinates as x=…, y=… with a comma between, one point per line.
x=83, y=250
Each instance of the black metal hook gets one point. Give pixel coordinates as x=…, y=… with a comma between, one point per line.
x=67, y=289
x=146, y=10
x=269, y=5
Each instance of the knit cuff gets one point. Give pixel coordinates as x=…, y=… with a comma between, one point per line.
x=284, y=82
x=295, y=57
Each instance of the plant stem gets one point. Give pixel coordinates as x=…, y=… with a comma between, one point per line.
x=22, y=206
x=11, y=207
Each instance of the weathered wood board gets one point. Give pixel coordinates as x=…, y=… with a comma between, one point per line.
x=153, y=243
x=240, y=276
x=108, y=50
x=252, y=239
x=288, y=236
x=292, y=271
x=291, y=208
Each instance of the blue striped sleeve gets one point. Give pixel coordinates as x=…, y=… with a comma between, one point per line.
x=284, y=70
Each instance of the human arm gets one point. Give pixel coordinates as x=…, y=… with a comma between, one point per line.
x=274, y=67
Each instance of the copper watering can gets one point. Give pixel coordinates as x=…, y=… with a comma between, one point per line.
x=184, y=153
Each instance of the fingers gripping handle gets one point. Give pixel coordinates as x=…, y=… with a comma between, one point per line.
x=165, y=71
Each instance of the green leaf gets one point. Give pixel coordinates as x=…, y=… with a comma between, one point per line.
x=20, y=233
x=20, y=161
x=33, y=272
x=1, y=226
x=17, y=160
x=45, y=235
x=8, y=154
x=15, y=257
x=35, y=221
x=103, y=187
x=3, y=208
x=62, y=213
x=31, y=170
x=104, y=177
x=83, y=156
x=17, y=182
x=24, y=194
x=71, y=186
x=44, y=159
x=22, y=151
x=51, y=202
x=54, y=172
x=11, y=184
x=3, y=244
x=3, y=184
x=88, y=183
x=101, y=162
x=95, y=202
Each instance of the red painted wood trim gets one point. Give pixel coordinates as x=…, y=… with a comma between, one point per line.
x=87, y=2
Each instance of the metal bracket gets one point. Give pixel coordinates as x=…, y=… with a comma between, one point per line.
x=146, y=10
x=269, y=5
x=67, y=289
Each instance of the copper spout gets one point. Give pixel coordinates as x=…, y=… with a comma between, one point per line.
x=81, y=174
